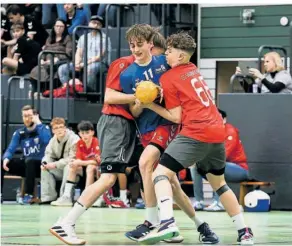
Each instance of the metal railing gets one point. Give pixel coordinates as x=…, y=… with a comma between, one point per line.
x=120, y=7
x=51, y=85
x=238, y=77
x=103, y=62
x=7, y=116
x=270, y=48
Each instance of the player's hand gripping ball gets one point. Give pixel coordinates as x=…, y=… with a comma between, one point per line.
x=146, y=92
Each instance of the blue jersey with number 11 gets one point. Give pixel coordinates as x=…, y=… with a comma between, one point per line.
x=147, y=120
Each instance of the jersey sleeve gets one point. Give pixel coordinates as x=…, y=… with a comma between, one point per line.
x=113, y=76
x=170, y=94
x=79, y=154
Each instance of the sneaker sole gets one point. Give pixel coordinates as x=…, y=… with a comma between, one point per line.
x=62, y=239
x=131, y=238
x=63, y=205
x=174, y=240
x=172, y=232
x=246, y=242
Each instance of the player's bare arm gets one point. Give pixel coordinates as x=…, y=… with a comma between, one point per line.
x=173, y=114
x=136, y=108
x=116, y=97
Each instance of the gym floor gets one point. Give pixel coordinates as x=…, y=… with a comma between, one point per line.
x=28, y=225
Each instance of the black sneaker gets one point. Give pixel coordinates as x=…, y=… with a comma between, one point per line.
x=245, y=236
x=207, y=235
x=140, y=231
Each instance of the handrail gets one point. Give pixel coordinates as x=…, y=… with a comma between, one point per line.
x=130, y=7
x=102, y=56
x=7, y=116
x=235, y=77
x=291, y=48
x=52, y=54
x=270, y=47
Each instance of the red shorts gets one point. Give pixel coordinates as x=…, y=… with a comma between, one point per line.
x=161, y=137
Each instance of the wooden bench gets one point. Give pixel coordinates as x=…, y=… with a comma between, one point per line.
x=254, y=184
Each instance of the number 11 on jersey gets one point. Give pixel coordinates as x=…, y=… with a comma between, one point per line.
x=148, y=74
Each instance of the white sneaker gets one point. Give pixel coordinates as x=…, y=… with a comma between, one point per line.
x=126, y=202
x=99, y=203
x=66, y=233
x=215, y=207
x=62, y=201
x=199, y=205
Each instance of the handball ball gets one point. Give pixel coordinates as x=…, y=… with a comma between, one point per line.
x=146, y=92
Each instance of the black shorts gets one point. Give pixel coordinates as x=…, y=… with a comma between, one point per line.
x=117, y=140
x=183, y=152
x=24, y=68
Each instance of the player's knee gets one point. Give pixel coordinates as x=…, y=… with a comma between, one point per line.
x=109, y=179
x=145, y=165
x=73, y=169
x=222, y=189
x=5, y=60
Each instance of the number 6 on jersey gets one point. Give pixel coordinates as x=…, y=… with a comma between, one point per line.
x=202, y=91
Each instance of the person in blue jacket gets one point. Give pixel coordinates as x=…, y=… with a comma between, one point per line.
x=33, y=138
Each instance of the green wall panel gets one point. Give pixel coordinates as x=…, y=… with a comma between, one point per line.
x=223, y=35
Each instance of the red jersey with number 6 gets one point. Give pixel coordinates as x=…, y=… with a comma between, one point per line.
x=184, y=86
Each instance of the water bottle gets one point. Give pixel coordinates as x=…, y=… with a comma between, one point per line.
x=18, y=195
x=39, y=191
x=254, y=88
x=77, y=194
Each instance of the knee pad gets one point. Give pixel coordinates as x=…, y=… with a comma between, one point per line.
x=159, y=178
x=222, y=189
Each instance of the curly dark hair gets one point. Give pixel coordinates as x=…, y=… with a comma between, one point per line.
x=183, y=41
x=140, y=32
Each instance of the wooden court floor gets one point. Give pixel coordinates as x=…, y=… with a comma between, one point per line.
x=28, y=225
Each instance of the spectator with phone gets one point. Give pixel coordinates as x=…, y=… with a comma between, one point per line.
x=59, y=152
x=33, y=138
x=276, y=79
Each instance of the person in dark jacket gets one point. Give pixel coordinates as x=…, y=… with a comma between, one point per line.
x=33, y=138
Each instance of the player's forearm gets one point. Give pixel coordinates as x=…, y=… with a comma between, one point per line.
x=163, y=112
x=11, y=42
x=116, y=97
x=136, y=110
x=89, y=162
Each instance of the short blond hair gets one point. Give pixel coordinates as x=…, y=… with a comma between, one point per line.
x=57, y=121
x=277, y=60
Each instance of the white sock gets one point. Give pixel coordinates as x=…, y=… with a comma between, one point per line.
x=238, y=221
x=123, y=195
x=152, y=215
x=197, y=221
x=165, y=204
x=74, y=213
x=68, y=189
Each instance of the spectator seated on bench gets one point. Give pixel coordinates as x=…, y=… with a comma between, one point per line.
x=84, y=164
x=236, y=169
x=33, y=139
x=59, y=152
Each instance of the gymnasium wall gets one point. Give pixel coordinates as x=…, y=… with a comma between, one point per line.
x=265, y=125
x=223, y=35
